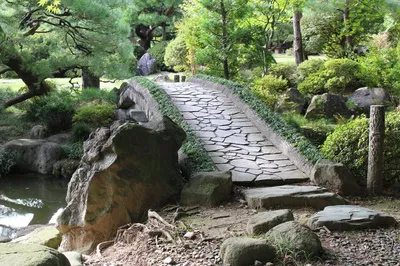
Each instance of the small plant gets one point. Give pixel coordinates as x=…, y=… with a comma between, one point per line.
x=157, y=51
x=268, y=89
x=96, y=96
x=309, y=67
x=286, y=72
x=81, y=131
x=176, y=54
x=73, y=151
x=7, y=161
x=94, y=116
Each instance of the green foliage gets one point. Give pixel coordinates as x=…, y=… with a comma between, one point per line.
x=309, y=67
x=157, y=51
x=287, y=72
x=5, y=95
x=288, y=132
x=96, y=96
x=176, y=53
x=336, y=76
x=348, y=144
x=192, y=147
x=80, y=131
x=268, y=89
x=7, y=160
x=73, y=151
x=95, y=116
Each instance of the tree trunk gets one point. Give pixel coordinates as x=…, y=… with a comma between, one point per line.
x=89, y=80
x=36, y=85
x=297, y=38
x=225, y=40
x=375, y=155
x=346, y=18
x=164, y=32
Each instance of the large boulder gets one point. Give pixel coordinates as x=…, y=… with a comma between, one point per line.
x=122, y=174
x=34, y=155
x=38, y=132
x=292, y=99
x=145, y=65
x=296, y=238
x=363, y=98
x=65, y=168
x=207, y=188
x=262, y=222
x=350, y=217
x=327, y=106
x=240, y=251
x=13, y=254
x=47, y=236
x=336, y=177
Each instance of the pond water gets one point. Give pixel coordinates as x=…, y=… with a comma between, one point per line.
x=28, y=200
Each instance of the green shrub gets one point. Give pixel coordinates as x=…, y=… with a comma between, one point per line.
x=348, y=144
x=7, y=160
x=93, y=95
x=157, y=51
x=336, y=76
x=73, y=151
x=287, y=72
x=268, y=89
x=309, y=67
x=95, y=116
x=138, y=52
x=81, y=131
x=176, y=53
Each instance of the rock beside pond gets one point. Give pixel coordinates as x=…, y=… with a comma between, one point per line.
x=350, y=217
x=145, y=65
x=242, y=251
x=34, y=155
x=13, y=254
x=38, y=132
x=296, y=238
x=207, y=188
x=122, y=174
x=262, y=222
x=47, y=236
x=65, y=168
x=74, y=258
x=365, y=97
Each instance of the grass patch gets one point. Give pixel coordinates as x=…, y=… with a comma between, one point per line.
x=199, y=161
x=290, y=133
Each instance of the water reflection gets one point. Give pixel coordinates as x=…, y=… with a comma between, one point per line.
x=29, y=199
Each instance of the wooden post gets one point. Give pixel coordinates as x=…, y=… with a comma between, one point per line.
x=375, y=154
x=176, y=78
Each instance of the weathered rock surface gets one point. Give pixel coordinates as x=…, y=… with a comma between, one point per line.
x=62, y=138
x=336, y=177
x=74, y=258
x=145, y=65
x=291, y=196
x=327, y=106
x=34, y=155
x=162, y=78
x=262, y=222
x=207, y=188
x=13, y=254
x=365, y=97
x=297, y=238
x=5, y=239
x=350, y=217
x=292, y=99
x=47, y=236
x=65, y=168
x=240, y=251
x=122, y=174
x=38, y=132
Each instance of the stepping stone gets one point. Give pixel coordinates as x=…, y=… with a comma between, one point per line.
x=262, y=222
x=243, y=163
x=236, y=140
x=224, y=167
x=224, y=133
x=220, y=122
x=291, y=196
x=290, y=177
x=213, y=147
x=187, y=108
x=205, y=134
x=244, y=179
x=268, y=180
x=255, y=137
x=350, y=217
x=219, y=160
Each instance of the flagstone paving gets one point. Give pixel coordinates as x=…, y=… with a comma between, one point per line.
x=232, y=140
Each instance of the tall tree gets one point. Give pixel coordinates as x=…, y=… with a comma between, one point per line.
x=298, y=38
x=38, y=44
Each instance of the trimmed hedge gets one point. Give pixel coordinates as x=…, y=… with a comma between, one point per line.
x=288, y=132
x=199, y=161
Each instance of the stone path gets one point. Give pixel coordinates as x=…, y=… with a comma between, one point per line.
x=231, y=139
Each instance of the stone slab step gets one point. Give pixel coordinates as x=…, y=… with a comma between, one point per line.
x=350, y=217
x=288, y=196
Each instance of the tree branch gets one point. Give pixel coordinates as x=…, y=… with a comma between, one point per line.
x=5, y=70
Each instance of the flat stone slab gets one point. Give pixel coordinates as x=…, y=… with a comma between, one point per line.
x=262, y=222
x=291, y=196
x=350, y=217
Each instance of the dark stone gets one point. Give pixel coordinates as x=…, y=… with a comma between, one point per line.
x=145, y=65
x=327, y=106
x=363, y=98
